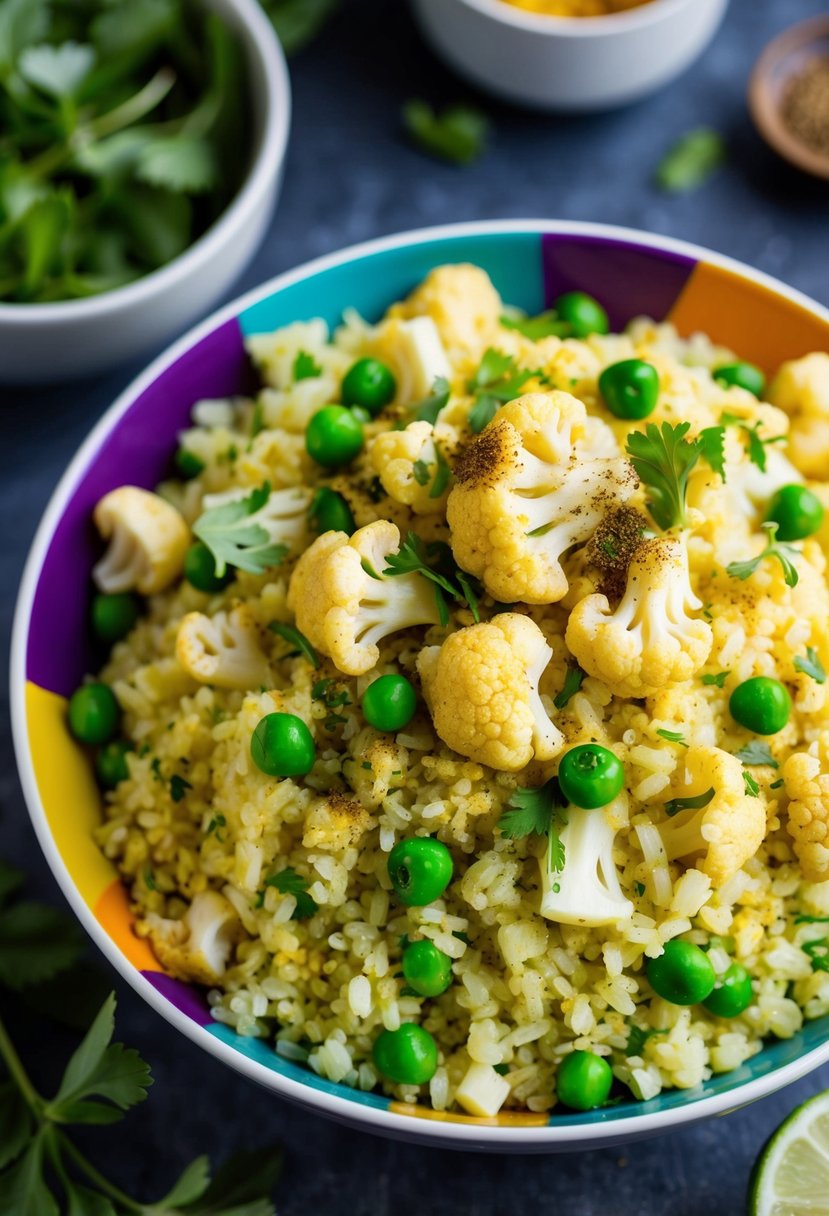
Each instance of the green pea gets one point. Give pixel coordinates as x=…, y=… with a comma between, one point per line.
x=389, y=703
x=282, y=746
x=426, y=969
x=111, y=763
x=682, y=974
x=590, y=776
x=407, y=1056
x=583, y=1080
x=732, y=993
x=761, y=704
x=420, y=870
x=331, y=513
x=741, y=375
x=798, y=512
x=200, y=569
x=93, y=713
x=630, y=389
x=113, y=616
x=583, y=314
x=370, y=384
x=188, y=464
x=334, y=436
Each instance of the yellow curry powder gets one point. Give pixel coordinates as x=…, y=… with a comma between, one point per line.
x=575, y=8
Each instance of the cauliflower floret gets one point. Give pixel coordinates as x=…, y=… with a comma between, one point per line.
x=728, y=830
x=462, y=302
x=483, y=1091
x=650, y=640
x=414, y=352
x=198, y=946
x=335, y=822
x=223, y=650
x=582, y=887
x=801, y=388
x=345, y=604
x=536, y=481
x=147, y=541
x=807, y=785
x=410, y=468
x=481, y=686
x=280, y=523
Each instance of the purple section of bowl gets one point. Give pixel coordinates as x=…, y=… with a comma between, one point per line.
x=137, y=451
x=629, y=280
x=187, y=999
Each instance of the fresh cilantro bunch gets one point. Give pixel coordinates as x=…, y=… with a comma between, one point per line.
x=42, y=1170
x=123, y=135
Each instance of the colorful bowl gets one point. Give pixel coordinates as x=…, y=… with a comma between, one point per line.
x=531, y=263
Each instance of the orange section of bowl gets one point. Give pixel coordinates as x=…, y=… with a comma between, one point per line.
x=754, y=321
x=508, y=1119
x=113, y=913
x=67, y=788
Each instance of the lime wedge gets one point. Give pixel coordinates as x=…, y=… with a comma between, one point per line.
x=791, y=1177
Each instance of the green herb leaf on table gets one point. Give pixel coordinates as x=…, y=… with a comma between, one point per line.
x=573, y=680
x=36, y=942
x=233, y=536
x=663, y=459
x=691, y=161
x=694, y=803
x=756, y=753
x=298, y=22
x=779, y=550
x=295, y=639
x=23, y=1188
x=458, y=134
x=16, y=1123
x=811, y=665
x=305, y=367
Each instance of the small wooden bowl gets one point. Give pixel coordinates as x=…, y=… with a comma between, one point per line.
x=782, y=60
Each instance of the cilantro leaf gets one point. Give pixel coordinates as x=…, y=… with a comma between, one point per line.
x=756, y=752
x=573, y=680
x=85, y=1202
x=458, y=134
x=443, y=474
x=420, y=469
x=483, y=411
x=57, y=70
x=751, y=784
x=691, y=161
x=181, y=163
x=235, y=538
x=298, y=22
x=675, y=805
x=36, y=942
x=239, y=1185
x=16, y=1123
x=23, y=1189
x=782, y=552
x=22, y=24
x=663, y=459
x=712, y=448
x=530, y=812
x=292, y=635
x=638, y=1037
x=288, y=882
x=756, y=443
x=11, y=880
x=178, y=787
x=811, y=665
x=305, y=367
x=718, y=678
x=190, y=1186
x=496, y=380
x=428, y=408
x=100, y=1069
x=818, y=952
x=435, y=563
x=543, y=326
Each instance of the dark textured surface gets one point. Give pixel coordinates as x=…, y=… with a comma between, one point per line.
x=350, y=176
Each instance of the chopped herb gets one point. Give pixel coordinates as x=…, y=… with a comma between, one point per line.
x=235, y=536
x=756, y=752
x=640, y=889
x=178, y=787
x=756, y=443
x=538, y=812
x=462, y=937
x=290, y=634
x=663, y=458
x=443, y=474
x=803, y=919
x=155, y=768
x=288, y=882
x=712, y=448
x=367, y=765
x=775, y=785
x=541, y=530
x=458, y=134
x=333, y=696
x=434, y=562
x=497, y=379
x=691, y=161
x=811, y=665
x=420, y=469
x=305, y=367
x=637, y=1039
x=369, y=569
x=218, y=821
x=673, y=736
x=257, y=422
x=751, y=784
x=501, y=1069
x=149, y=879
x=573, y=680
x=689, y=804
x=782, y=552
x=428, y=408
x=718, y=679
x=818, y=952
x=542, y=326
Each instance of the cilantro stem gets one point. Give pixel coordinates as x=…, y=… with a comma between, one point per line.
x=18, y=1073
x=135, y=107
x=102, y=1183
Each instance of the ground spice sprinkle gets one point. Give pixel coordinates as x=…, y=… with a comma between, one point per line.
x=806, y=106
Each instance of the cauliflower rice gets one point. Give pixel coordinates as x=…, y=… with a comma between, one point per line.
x=196, y=829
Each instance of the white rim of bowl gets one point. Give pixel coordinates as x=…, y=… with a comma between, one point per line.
x=343, y=1109
x=260, y=41
x=648, y=13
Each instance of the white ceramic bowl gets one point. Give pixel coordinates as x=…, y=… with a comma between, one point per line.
x=42, y=343
x=569, y=63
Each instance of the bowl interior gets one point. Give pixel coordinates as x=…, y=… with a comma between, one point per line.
x=134, y=443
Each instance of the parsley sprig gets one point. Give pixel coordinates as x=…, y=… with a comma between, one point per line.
x=779, y=550
x=538, y=812
x=497, y=379
x=42, y=1169
x=237, y=538
x=434, y=562
x=663, y=459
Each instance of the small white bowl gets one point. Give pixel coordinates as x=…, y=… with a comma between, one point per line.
x=43, y=343
x=569, y=63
